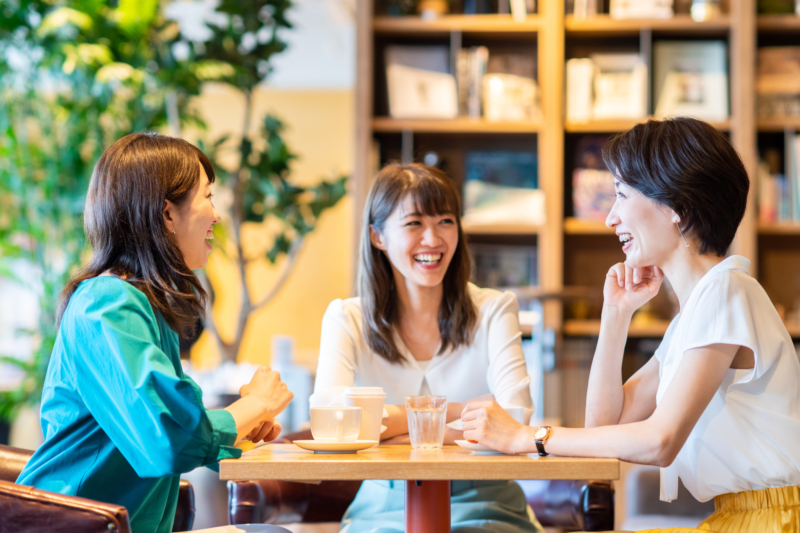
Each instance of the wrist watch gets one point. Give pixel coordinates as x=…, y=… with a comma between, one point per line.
x=541, y=435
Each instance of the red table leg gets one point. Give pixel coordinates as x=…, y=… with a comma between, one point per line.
x=427, y=507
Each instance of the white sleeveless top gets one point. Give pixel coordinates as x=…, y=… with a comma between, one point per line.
x=748, y=438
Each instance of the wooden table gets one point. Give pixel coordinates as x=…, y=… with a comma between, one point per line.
x=427, y=473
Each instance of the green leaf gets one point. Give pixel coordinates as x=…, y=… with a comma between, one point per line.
x=62, y=17
x=135, y=16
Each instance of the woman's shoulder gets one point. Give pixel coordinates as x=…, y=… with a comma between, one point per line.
x=346, y=311
x=730, y=282
x=104, y=296
x=488, y=300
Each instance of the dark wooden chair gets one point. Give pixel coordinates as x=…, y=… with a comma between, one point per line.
x=31, y=510
x=569, y=505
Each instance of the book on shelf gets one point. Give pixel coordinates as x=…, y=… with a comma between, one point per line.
x=470, y=68
x=606, y=87
x=640, y=9
x=691, y=79
x=419, y=82
x=779, y=193
x=503, y=265
x=778, y=81
x=509, y=89
x=500, y=188
x=592, y=184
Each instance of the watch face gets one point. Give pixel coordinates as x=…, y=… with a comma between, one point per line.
x=540, y=433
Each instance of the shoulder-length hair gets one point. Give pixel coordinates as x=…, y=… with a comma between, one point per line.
x=434, y=194
x=124, y=223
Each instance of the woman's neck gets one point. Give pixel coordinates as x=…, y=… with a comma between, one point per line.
x=417, y=304
x=686, y=268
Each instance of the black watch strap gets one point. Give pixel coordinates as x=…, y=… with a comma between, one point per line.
x=540, y=447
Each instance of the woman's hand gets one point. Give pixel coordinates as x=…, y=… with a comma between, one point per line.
x=267, y=387
x=627, y=289
x=489, y=424
x=454, y=409
x=267, y=431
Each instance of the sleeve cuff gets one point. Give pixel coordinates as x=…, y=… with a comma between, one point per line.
x=224, y=430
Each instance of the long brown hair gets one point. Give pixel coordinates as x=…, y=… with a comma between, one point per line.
x=124, y=223
x=434, y=194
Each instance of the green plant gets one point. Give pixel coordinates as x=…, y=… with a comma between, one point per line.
x=77, y=75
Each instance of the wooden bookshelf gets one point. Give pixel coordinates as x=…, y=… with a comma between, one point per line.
x=779, y=123
x=591, y=328
x=614, y=126
x=493, y=24
x=553, y=36
x=501, y=229
x=779, y=229
x=577, y=226
x=679, y=24
x=778, y=23
x=456, y=125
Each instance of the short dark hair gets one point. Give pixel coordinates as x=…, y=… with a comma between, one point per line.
x=434, y=194
x=689, y=166
x=124, y=222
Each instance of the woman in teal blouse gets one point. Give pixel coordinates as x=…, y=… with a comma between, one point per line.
x=121, y=420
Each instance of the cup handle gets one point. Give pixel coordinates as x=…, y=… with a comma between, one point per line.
x=339, y=426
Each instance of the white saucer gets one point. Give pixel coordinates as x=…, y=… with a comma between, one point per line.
x=476, y=447
x=335, y=447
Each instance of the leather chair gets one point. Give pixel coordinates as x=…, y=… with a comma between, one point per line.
x=569, y=505
x=28, y=509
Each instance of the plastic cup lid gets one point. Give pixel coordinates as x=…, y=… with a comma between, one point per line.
x=364, y=391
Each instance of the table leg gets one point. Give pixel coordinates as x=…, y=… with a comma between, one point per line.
x=427, y=506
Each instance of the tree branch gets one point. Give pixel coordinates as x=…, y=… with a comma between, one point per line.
x=286, y=269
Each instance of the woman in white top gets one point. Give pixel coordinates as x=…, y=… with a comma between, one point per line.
x=419, y=327
x=719, y=404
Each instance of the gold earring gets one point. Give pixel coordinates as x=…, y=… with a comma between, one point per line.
x=682, y=237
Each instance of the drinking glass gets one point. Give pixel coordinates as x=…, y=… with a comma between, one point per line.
x=426, y=421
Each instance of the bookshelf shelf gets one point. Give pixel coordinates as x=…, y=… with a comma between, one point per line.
x=605, y=25
x=778, y=23
x=591, y=328
x=447, y=23
x=456, y=125
x=501, y=229
x=780, y=123
x=613, y=126
x=779, y=229
x=577, y=226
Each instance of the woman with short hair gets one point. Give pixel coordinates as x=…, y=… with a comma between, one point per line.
x=419, y=327
x=120, y=418
x=719, y=403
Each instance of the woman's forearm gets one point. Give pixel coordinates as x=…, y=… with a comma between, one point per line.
x=397, y=423
x=639, y=442
x=248, y=412
x=605, y=397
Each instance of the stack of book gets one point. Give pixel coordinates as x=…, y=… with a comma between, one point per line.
x=641, y=9
x=691, y=79
x=779, y=194
x=606, y=86
x=778, y=81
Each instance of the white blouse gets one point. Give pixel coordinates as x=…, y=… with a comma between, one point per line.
x=492, y=363
x=748, y=438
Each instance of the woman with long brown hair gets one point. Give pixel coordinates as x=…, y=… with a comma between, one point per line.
x=121, y=420
x=419, y=327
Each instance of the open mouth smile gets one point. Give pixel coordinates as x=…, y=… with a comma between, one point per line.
x=626, y=239
x=428, y=259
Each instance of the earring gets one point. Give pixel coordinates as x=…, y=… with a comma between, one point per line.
x=682, y=237
x=173, y=232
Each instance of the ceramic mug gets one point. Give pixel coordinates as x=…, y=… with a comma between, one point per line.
x=335, y=424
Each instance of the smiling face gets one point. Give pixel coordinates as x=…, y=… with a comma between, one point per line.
x=419, y=247
x=193, y=222
x=645, y=227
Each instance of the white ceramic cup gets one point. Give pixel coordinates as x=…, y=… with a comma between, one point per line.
x=516, y=412
x=335, y=424
x=370, y=400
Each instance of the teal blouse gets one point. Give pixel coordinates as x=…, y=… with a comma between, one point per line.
x=121, y=420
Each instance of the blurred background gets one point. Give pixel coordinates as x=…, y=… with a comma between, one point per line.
x=298, y=103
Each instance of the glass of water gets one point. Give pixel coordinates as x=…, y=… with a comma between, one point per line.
x=426, y=421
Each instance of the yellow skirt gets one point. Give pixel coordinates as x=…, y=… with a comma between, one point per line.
x=755, y=511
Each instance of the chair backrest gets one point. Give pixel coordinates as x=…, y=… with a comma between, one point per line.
x=12, y=461
x=30, y=510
